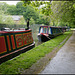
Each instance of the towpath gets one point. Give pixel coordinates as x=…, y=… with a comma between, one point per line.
x=64, y=61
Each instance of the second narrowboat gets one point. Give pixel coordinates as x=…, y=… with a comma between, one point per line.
x=48, y=32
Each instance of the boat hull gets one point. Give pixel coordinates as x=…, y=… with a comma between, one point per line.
x=43, y=38
x=16, y=53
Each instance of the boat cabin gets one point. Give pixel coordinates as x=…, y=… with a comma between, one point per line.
x=50, y=30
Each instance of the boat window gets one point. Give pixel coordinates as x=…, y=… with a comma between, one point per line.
x=45, y=30
x=41, y=30
x=53, y=30
x=49, y=31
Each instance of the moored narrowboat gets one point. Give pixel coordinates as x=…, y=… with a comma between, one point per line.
x=48, y=32
x=13, y=43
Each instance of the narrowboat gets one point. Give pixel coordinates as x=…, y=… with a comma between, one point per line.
x=15, y=42
x=48, y=32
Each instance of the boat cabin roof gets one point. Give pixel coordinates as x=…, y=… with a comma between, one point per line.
x=14, y=31
x=52, y=26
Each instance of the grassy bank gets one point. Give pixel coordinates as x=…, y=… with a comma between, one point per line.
x=27, y=59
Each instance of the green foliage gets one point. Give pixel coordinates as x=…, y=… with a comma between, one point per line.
x=63, y=11
x=58, y=11
x=3, y=7
x=43, y=19
x=1, y=19
x=12, y=10
x=20, y=8
x=27, y=59
x=33, y=3
x=16, y=10
x=6, y=20
x=9, y=20
x=31, y=22
x=45, y=10
x=30, y=13
x=22, y=21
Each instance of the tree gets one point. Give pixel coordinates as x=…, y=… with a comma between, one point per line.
x=16, y=10
x=9, y=20
x=6, y=21
x=43, y=19
x=1, y=19
x=22, y=21
x=30, y=13
x=31, y=22
x=45, y=10
x=12, y=10
x=3, y=7
x=63, y=11
x=20, y=8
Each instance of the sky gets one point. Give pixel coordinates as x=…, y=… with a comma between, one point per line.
x=11, y=2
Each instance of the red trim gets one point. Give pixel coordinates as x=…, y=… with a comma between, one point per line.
x=2, y=45
x=8, y=43
x=43, y=34
x=13, y=43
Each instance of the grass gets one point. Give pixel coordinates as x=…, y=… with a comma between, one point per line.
x=27, y=59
